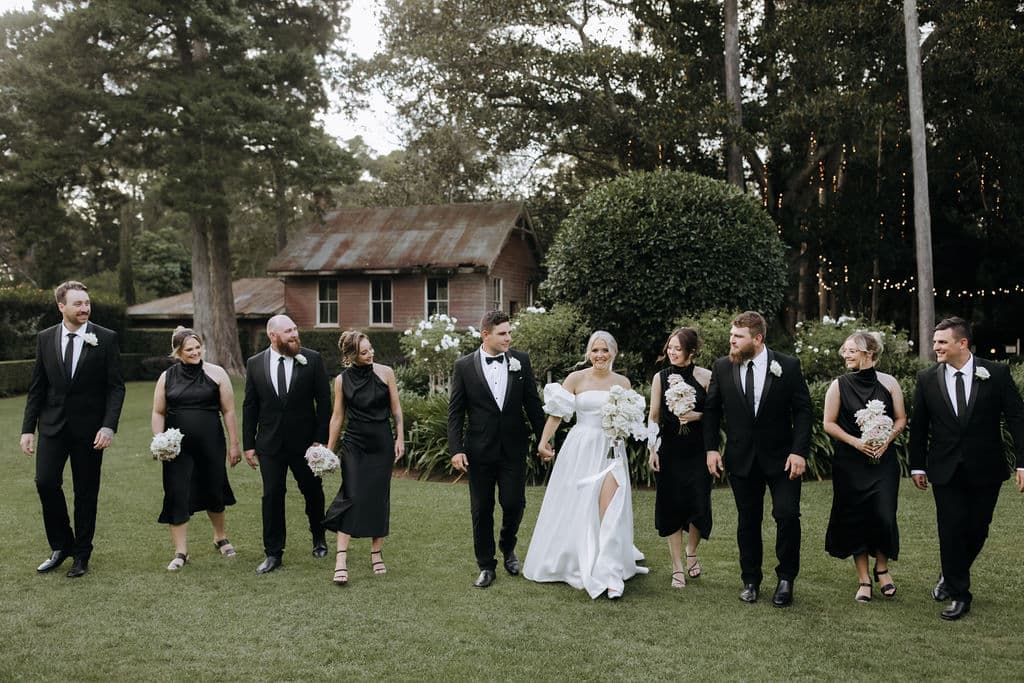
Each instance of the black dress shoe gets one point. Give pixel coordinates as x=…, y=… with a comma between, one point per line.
x=512, y=564
x=80, y=567
x=783, y=594
x=749, y=593
x=319, y=549
x=939, y=592
x=56, y=560
x=956, y=609
x=268, y=565
x=485, y=579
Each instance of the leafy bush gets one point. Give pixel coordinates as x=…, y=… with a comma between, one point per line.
x=25, y=311
x=433, y=345
x=414, y=380
x=385, y=346
x=817, y=346
x=713, y=328
x=15, y=376
x=554, y=339
x=646, y=248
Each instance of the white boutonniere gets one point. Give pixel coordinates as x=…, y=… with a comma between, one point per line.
x=981, y=373
x=300, y=359
x=514, y=365
x=775, y=368
x=90, y=339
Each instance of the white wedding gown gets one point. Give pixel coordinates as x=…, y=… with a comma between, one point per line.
x=571, y=542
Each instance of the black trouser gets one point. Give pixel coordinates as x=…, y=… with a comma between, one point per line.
x=274, y=471
x=86, y=462
x=509, y=474
x=749, y=494
x=963, y=512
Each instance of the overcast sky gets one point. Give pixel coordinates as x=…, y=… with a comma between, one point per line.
x=376, y=124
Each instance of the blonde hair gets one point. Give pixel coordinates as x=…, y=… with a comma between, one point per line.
x=349, y=344
x=867, y=342
x=613, y=347
x=178, y=338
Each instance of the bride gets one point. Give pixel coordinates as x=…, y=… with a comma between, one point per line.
x=584, y=533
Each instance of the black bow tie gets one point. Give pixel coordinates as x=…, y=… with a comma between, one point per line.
x=500, y=358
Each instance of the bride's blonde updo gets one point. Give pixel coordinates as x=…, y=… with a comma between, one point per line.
x=349, y=344
x=178, y=338
x=608, y=339
x=867, y=342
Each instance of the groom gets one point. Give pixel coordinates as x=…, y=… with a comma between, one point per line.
x=956, y=442
x=763, y=397
x=75, y=399
x=287, y=409
x=492, y=387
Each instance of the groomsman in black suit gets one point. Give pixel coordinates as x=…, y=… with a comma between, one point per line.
x=493, y=387
x=956, y=443
x=763, y=397
x=287, y=409
x=75, y=399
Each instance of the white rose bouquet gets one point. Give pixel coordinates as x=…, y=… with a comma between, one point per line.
x=321, y=460
x=623, y=416
x=166, y=445
x=680, y=398
x=875, y=426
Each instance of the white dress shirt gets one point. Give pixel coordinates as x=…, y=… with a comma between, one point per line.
x=496, y=374
x=289, y=364
x=760, y=371
x=950, y=373
x=79, y=340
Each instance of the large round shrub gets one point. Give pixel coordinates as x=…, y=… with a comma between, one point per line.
x=647, y=248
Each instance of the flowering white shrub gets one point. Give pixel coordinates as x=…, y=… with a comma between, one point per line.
x=817, y=346
x=433, y=344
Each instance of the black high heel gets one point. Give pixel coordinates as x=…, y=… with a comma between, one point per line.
x=889, y=589
x=378, y=566
x=341, y=575
x=863, y=598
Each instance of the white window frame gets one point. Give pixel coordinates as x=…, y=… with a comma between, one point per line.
x=321, y=302
x=496, y=289
x=390, y=301
x=437, y=301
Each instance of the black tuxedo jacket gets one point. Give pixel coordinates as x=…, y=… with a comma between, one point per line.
x=782, y=424
x=940, y=441
x=273, y=426
x=492, y=431
x=94, y=397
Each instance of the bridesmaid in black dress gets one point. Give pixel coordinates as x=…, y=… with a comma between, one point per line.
x=865, y=479
x=683, y=497
x=193, y=397
x=367, y=394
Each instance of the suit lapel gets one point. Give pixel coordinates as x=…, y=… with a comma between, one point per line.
x=940, y=380
x=478, y=371
x=508, y=380
x=973, y=398
x=267, y=376
x=85, y=351
x=768, y=379
x=737, y=383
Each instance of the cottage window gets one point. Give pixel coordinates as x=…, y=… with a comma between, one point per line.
x=380, y=302
x=327, y=303
x=437, y=296
x=496, y=294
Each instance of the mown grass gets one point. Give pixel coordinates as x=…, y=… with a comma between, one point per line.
x=217, y=620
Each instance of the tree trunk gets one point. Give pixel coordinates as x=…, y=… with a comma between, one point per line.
x=202, y=302
x=125, y=273
x=225, y=320
x=734, y=155
x=281, y=209
x=922, y=217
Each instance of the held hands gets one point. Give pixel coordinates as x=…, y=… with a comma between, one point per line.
x=796, y=465
x=460, y=462
x=870, y=451
x=104, y=437
x=653, y=461
x=399, y=448
x=715, y=464
x=545, y=451
x=252, y=458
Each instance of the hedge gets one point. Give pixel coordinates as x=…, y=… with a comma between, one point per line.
x=25, y=311
x=15, y=376
x=385, y=346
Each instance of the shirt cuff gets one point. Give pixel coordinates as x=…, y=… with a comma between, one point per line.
x=913, y=472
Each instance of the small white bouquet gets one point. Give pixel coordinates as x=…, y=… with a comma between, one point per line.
x=623, y=416
x=680, y=398
x=321, y=460
x=875, y=426
x=166, y=445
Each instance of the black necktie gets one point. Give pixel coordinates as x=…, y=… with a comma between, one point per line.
x=282, y=382
x=69, y=356
x=749, y=390
x=961, y=397
x=500, y=358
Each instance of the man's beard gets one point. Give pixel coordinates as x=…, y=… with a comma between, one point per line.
x=741, y=355
x=290, y=347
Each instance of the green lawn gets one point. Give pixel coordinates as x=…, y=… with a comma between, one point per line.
x=217, y=620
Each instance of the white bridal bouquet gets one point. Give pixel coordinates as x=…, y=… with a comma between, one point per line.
x=166, y=445
x=680, y=398
x=875, y=425
x=321, y=460
x=622, y=416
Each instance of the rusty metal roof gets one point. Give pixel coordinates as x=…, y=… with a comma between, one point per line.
x=405, y=239
x=255, y=297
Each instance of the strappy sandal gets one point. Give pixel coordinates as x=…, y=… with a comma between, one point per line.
x=340, y=575
x=694, y=570
x=225, y=548
x=179, y=561
x=864, y=598
x=678, y=582
x=378, y=566
x=889, y=589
